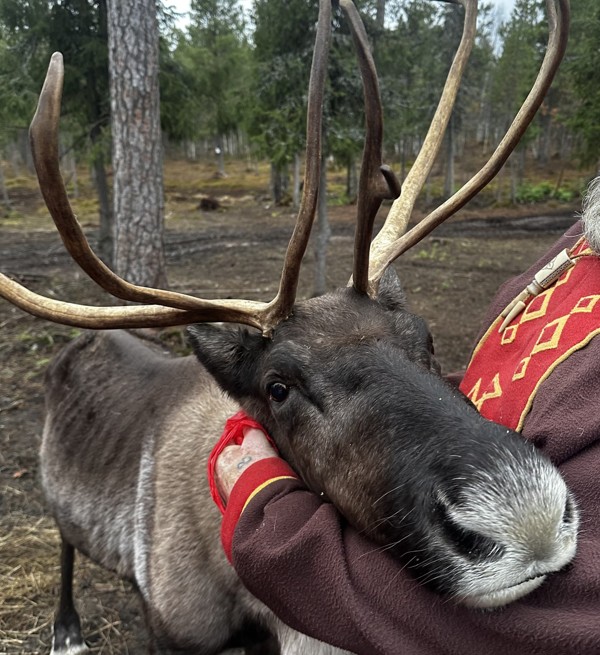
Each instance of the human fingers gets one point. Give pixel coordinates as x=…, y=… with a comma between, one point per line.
x=256, y=443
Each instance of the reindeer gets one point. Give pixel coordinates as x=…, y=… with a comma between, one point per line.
x=346, y=384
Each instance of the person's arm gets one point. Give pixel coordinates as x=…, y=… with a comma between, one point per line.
x=242, y=471
x=299, y=556
x=250, y=477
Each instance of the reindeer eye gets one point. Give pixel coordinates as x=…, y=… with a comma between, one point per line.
x=278, y=391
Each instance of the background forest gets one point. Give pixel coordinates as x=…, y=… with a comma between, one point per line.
x=232, y=86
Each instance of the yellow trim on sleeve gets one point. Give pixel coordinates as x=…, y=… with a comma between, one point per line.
x=266, y=484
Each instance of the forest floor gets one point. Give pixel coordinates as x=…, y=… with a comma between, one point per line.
x=235, y=251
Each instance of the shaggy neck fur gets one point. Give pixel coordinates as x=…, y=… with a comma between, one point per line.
x=591, y=214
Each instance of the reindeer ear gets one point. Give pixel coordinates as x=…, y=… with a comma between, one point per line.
x=391, y=294
x=230, y=356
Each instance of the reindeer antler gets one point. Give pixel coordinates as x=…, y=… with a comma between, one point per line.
x=559, y=15
x=162, y=308
x=392, y=241
x=377, y=181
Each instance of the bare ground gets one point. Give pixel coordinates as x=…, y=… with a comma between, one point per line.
x=235, y=252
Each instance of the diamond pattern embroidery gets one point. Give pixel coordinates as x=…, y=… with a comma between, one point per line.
x=509, y=334
x=521, y=369
x=538, y=306
x=585, y=305
x=550, y=335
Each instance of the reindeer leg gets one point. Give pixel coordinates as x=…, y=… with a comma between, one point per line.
x=295, y=643
x=67, y=639
x=268, y=647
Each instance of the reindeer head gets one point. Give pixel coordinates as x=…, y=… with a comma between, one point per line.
x=349, y=389
x=347, y=384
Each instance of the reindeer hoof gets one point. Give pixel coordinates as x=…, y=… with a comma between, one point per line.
x=69, y=646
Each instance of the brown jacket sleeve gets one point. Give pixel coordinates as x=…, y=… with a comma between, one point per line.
x=321, y=577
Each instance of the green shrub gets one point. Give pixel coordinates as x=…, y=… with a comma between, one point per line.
x=529, y=193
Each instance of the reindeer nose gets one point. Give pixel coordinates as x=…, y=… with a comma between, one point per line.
x=544, y=550
x=551, y=538
x=465, y=541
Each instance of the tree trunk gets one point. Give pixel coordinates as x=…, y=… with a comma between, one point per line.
x=190, y=149
x=380, y=14
x=559, y=181
x=403, y=159
x=279, y=183
x=450, y=146
x=73, y=179
x=106, y=230
x=220, y=155
x=297, y=180
x=545, y=137
x=322, y=235
x=137, y=145
x=514, y=178
x=351, y=180
x=4, y=190
x=25, y=150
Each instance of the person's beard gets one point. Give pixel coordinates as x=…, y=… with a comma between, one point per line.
x=591, y=215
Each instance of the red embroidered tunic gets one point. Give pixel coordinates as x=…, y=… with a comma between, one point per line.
x=512, y=360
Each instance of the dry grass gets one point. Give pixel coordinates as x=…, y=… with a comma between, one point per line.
x=29, y=584
x=28, y=575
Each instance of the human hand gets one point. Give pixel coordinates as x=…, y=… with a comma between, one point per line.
x=234, y=460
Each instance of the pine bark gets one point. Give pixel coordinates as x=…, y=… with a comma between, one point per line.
x=138, y=198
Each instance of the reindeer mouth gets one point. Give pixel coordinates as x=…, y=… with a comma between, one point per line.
x=504, y=596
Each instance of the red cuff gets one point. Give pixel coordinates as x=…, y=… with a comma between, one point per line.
x=254, y=479
x=233, y=434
